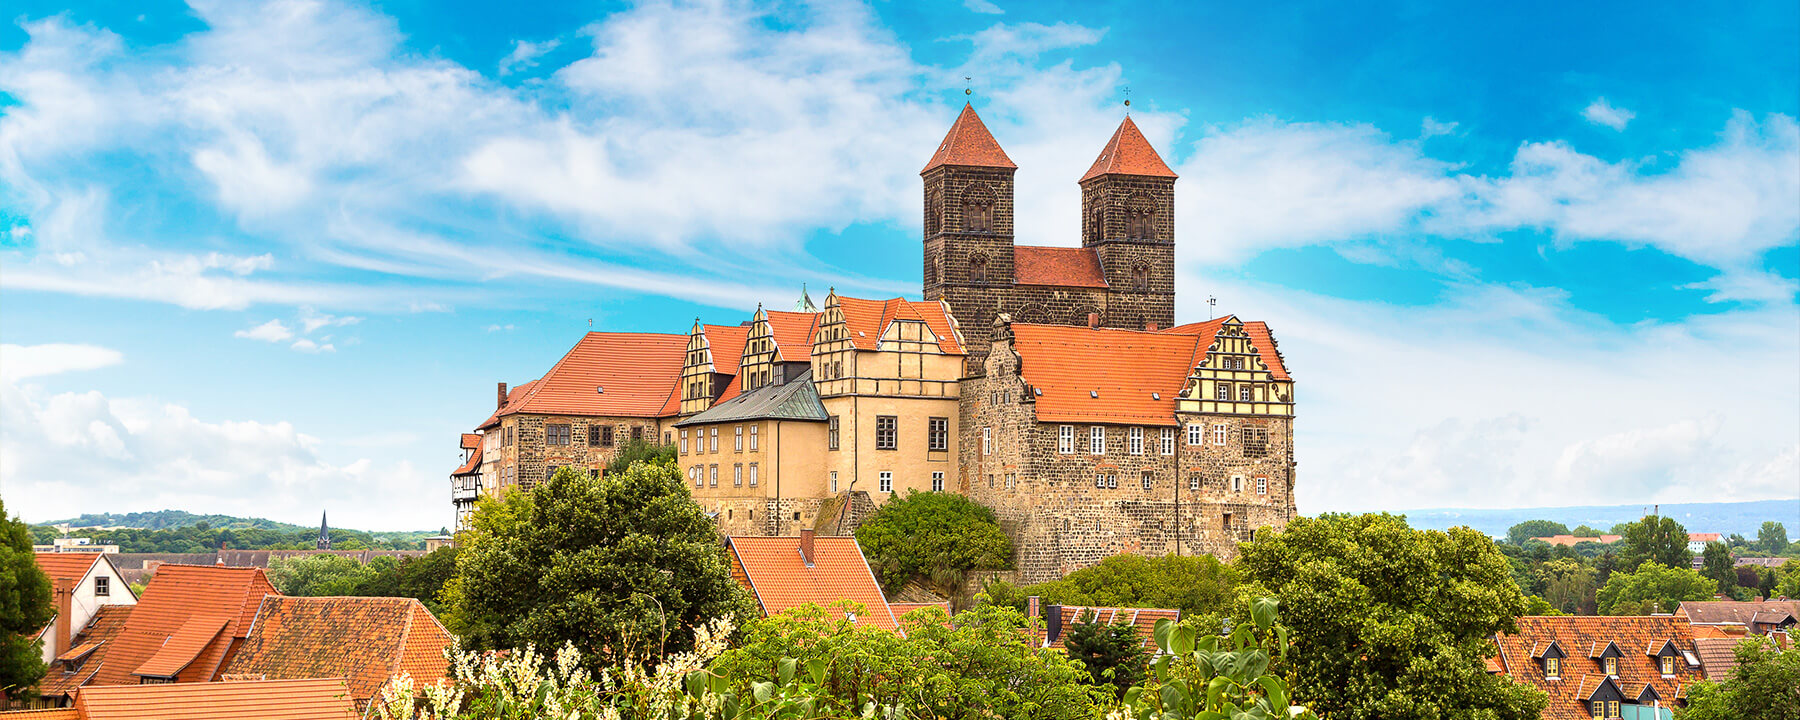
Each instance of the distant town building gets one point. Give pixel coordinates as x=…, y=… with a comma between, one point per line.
x=1697, y=541
x=1142, y=621
x=74, y=545
x=1573, y=540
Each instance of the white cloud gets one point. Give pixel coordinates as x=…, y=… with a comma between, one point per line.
x=500, y=328
x=18, y=362
x=311, y=320
x=309, y=347
x=985, y=7
x=69, y=453
x=1601, y=112
x=525, y=54
x=1432, y=127
x=1509, y=397
x=271, y=331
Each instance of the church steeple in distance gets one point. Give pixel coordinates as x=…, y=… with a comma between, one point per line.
x=324, y=533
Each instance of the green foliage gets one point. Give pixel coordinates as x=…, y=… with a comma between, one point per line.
x=1652, y=588
x=620, y=567
x=319, y=575
x=1772, y=537
x=244, y=534
x=26, y=606
x=1213, y=677
x=1789, y=585
x=421, y=578
x=640, y=451
x=932, y=536
x=1193, y=584
x=1391, y=622
x=982, y=665
x=1765, y=686
x=1112, y=652
x=1569, y=586
x=1586, y=531
x=1535, y=605
x=1716, y=565
x=1656, y=539
x=1529, y=529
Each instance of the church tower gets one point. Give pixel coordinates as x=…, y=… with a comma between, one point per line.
x=1128, y=219
x=969, y=224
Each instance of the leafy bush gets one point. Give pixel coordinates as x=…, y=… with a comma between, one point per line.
x=1208, y=677
x=1193, y=584
x=1652, y=588
x=1112, y=652
x=319, y=575
x=932, y=536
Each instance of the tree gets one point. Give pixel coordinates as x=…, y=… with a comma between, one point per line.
x=319, y=575
x=620, y=567
x=1652, y=588
x=1529, y=529
x=1772, y=538
x=421, y=578
x=1764, y=686
x=1586, y=531
x=636, y=451
x=1736, y=540
x=1569, y=586
x=1207, y=676
x=1789, y=585
x=1112, y=652
x=1716, y=565
x=26, y=606
x=1656, y=539
x=932, y=536
x=1390, y=622
x=1193, y=584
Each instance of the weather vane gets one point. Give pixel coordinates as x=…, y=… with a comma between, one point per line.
x=1127, y=99
x=967, y=81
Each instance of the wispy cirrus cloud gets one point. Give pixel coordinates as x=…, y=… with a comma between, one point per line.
x=1601, y=112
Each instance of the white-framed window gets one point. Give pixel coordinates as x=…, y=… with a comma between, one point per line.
x=684, y=440
x=1262, y=486
x=887, y=481
x=1194, y=482
x=938, y=434
x=753, y=473
x=834, y=482
x=102, y=586
x=1112, y=481
x=714, y=444
x=1244, y=393
x=694, y=474
x=1012, y=480
x=1223, y=391
x=937, y=481
x=1552, y=668
x=1097, y=440
x=1065, y=439
x=1136, y=436
x=737, y=475
x=1237, y=483
x=737, y=438
x=713, y=475
x=1099, y=480
x=987, y=441
x=753, y=438
x=1149, y=479
x=1219, y=434
x=1168, y=441
x=831, y=433
x=1196, y=433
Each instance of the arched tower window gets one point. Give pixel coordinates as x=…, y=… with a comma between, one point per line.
x=978, y=267
x=934, y=211
x=1140, y=218
x=1140, y=278
x=978, y=208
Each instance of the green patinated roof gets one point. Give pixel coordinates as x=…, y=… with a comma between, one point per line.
x=795, y=399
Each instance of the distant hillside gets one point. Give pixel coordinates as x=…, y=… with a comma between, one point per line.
x=179, y=531
x=1725, y=518
x=171, y=519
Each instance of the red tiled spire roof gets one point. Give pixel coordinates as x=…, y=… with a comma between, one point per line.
x=1128, y=153
x=969, y=144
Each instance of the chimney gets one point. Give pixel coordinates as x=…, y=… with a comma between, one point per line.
x=1150, y=327
x=64, y=608
x=1093, y=320
x=1031, y=615
x=500, y=397
x=806, y=546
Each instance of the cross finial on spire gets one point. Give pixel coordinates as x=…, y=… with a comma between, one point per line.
x=1127, y=99
x=968, y=85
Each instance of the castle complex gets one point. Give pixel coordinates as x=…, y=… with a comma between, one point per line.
x=1048, y=383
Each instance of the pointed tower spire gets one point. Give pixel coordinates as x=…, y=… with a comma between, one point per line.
x=969, y=144
x=324, y=542
x=1128, y=153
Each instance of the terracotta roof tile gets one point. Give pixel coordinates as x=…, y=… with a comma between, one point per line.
x=793, y=334
x=636, y=371
x=364, y=639
x=176, y=594
x=50, y=714
x=1102, y=375
x=183, y=646
x=1128, y=153
x=1717, y=657
x=1732, y=611
x=1571, y=540
x=1063, y=266
x=108, y=620
x=513, y=397
x=774, y=572
x=1142, y=619
x=969, y=144
x=67, y=566
x=1264, y=342
x=1578, y=636
x=727, y=345
x=867, y=320
x=309, y=699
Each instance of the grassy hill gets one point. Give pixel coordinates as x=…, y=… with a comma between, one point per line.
x=1724, y=518
x=180, y=531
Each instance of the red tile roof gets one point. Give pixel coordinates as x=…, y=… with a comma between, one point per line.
x=365, y=639
x=309, y=699
x=867, y=320
x=1264, y=342
x=727, y=345
x=1128, y=153
x=1102, y=375
x=793, y=334
x=1141, y=619
x=1579, y=637
x=513, y=397
x=1571, y=540
x=636, y=371
x=773, y=570
x=470, y=441
x=969, y=144
x=67, y=566
x=176, y=595
x=51, y=714
x=1717, y=656
x=183, y=646
x=101, y=630
x=1064, y=266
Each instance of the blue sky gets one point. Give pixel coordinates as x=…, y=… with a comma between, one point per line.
x=269, y=259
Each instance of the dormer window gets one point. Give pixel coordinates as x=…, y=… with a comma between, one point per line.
x=1668, y=665
x=1552, y=668
x=1611, y=664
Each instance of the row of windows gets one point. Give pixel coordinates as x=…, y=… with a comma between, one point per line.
x=706, y=438
x=1222, y=391
x=887, y=433
x=597, y=435
x=1255, y=440
x=703, y=475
